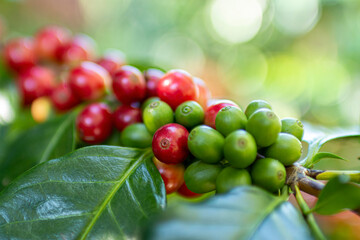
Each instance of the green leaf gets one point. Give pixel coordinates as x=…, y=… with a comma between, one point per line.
x=97, y=192
x=338, y=194
x=243, y=213
x=45, y=141
x=317, y=136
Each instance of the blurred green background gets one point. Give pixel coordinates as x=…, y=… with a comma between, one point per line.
x=302, y=56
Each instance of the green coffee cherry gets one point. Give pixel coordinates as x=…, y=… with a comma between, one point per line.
x=293, y=127
x=201, y=177
x=206, y=144
x=287, y=149
x=269, y=174
x=230, y=178
x=136, y=135
x=148, y=102
x=229, y=119
x=240, y=149
x=265, y=127
x=189, y=114
x=256, y=105
x=156, y=115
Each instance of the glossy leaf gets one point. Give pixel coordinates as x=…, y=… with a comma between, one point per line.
x=338, y=194
x=317, y=136
x=244, y=213
x=322, y=155
x=45, y=141
x=98, y=192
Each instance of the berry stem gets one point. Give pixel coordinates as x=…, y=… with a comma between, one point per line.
x=329, y=174
x=308, y=215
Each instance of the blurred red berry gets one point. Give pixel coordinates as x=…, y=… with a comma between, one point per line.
x=185, y=192
x=89, y=81
x=20, y=54
x=63, y=98
x=172, y=175
x=112, y=61
x=152, y=77
x=80, y=48
x=126, y=115
x=35, y=82
x=94, y=123
x=129, y=85
x=49, y=39
x=204, y=92
x=176, y=87
x=170, y=143
x=212, y=111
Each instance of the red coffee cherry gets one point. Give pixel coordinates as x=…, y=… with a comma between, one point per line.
x=185, y=192
x=126, y=115
x=80, y=48
x=63, y=98
x=212, y=111
x=49, y=39
x=35, y=82
x=172, y=175
x=176, y=87
x=152, y=77
x=129, y=85
x=19, y=54
x=170, y=143
x=94, y=123
x=204, y=92
x=89, y=81
x=112, y=61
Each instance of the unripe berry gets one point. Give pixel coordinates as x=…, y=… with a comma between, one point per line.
x=287, y=149
x=265, y=127
x=176, y=87
x=156, y=115
x=169, y=143
x=152, y=77
x=172, y=175
x=189, y=114
x=185, y=192
x=89, y=81
x=255, y=105
x=229, y=119
x=49, y=39
x=136, y=135
x=112, y=61
x=94, y=123
x=20, y=54
x=230, y=178
x=293, y=127
x=63, y=98
x=35, y=82
x=126, y=115
x=129, y=85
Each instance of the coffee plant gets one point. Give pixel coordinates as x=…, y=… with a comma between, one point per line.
x=107, y=142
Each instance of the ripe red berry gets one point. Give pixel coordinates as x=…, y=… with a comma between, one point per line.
x=212, y=111
x=152, y=77
x=80, y=48
x=63, y=98
x=48, y=40
x=89, y=81
x=129, y=85
x=19, y=54
x=94, y=123
x=170, y=143
x=185, y=192
x=204, y=92
x=172, y=175
x=35, y=82
x=176, y=87
x=126, y=115
x=112, y=61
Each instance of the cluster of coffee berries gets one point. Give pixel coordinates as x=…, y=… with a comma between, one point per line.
x=224, y=147
x=200, y=144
